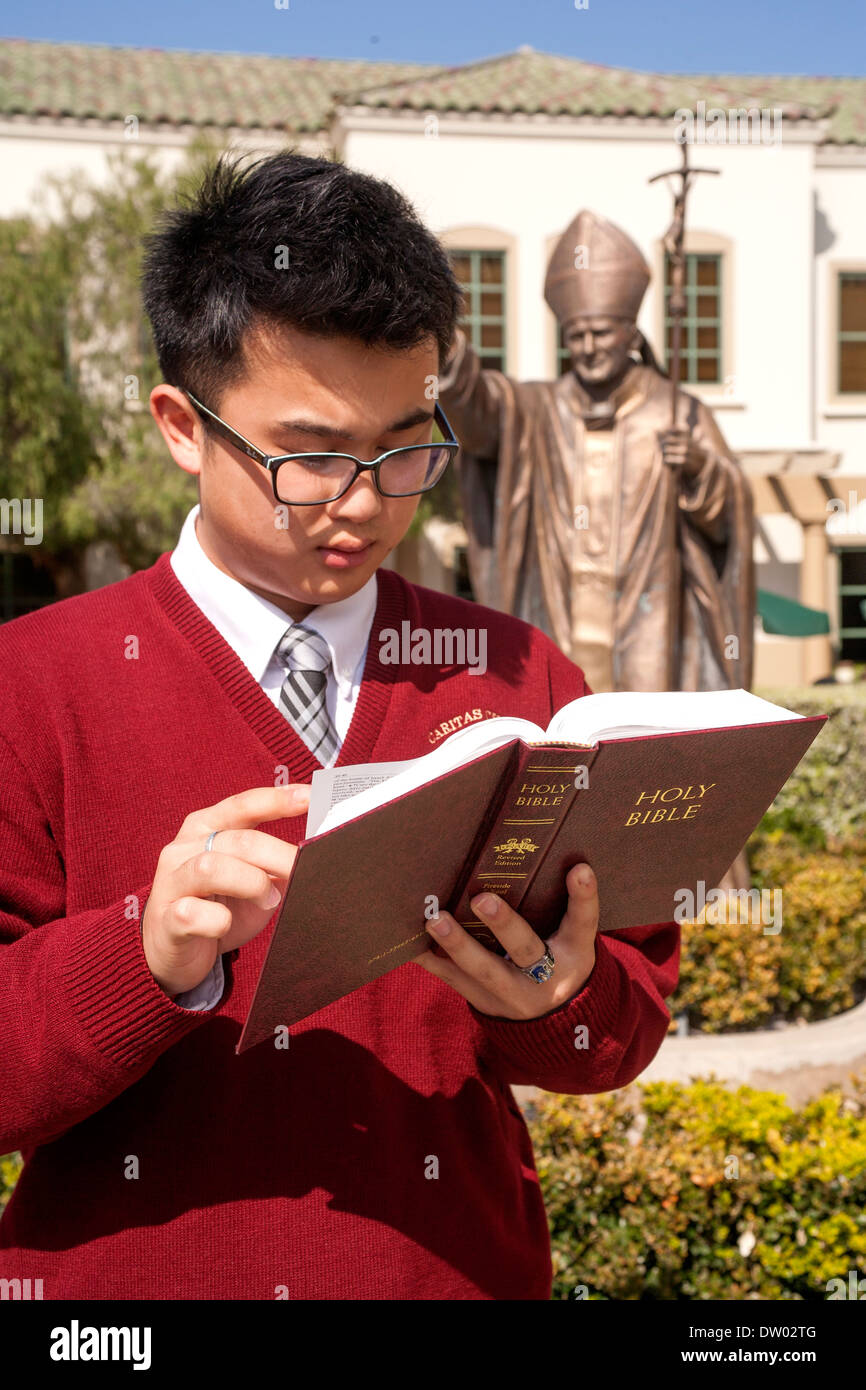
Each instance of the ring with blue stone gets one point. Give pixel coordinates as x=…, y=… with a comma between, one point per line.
x=542, y=969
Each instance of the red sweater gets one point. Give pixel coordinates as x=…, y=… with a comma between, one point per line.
x=299, y=1170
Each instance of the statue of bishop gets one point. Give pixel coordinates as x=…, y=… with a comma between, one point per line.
x=626, y=539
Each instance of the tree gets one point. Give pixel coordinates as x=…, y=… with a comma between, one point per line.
x=46, y=424
x=77, y=365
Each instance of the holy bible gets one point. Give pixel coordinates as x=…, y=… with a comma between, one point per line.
x=657, y=791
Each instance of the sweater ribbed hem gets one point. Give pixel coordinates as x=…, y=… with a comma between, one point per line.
x=548, y=1042
x=128, y=1016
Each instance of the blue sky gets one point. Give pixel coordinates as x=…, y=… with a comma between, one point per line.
x=746, y=36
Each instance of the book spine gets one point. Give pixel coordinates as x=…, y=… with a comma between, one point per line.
x=541, y=793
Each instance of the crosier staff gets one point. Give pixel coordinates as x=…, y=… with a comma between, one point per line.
x=679, y=449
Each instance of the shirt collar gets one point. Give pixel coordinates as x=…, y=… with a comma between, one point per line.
x=253, y=626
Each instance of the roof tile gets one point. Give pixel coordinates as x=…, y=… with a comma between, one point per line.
x=299, y=94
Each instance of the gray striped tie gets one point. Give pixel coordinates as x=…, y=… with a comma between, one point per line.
x=306, y=657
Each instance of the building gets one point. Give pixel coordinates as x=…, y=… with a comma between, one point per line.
x=497, y=156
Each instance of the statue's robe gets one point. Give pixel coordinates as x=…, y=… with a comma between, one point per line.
x=642, y=576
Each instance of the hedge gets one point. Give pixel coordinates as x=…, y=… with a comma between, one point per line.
x=811, y=844
x=10, y=1167
x=822, y=802
x=733, y=976
x=665, y=1191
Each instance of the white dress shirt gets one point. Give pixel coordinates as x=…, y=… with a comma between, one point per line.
x=252, y=626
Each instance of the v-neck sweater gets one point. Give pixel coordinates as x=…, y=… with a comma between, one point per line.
x=381, y=1155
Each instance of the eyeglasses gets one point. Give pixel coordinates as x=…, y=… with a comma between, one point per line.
x=308, y=480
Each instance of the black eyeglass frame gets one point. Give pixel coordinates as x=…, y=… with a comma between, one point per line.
x=272, y=461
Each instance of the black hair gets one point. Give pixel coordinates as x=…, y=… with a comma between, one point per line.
x=358, y=262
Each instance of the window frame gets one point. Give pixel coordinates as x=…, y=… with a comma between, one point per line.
x=839, y=334
x=728, y=392
x=463, y=240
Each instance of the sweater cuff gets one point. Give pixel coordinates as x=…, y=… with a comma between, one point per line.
x=128, y=1016
x=545, y=1041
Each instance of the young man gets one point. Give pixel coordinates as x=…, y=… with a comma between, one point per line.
x=146, y=730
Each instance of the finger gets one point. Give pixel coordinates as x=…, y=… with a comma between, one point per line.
x=483, y=967
x=579, y=926
x=201, y=917
x=209, y=873
x=247, y=808
x=256, y=847
x=523, y=944
x=445, y=969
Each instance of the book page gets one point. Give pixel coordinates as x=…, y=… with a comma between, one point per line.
x=330, y=785
x=459, y=748
x=630, y=713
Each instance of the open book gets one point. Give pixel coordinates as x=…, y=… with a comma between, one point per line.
x=339, y=794
x=657, y=791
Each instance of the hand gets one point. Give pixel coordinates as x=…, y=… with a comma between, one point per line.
x=679, y=450
x=204, y=903
x=496, y=986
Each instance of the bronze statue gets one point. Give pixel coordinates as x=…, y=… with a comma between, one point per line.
x=624, y=537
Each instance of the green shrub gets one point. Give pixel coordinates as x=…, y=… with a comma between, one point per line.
x=733, y=976
x=10, y=1167
x=811, y=844
x=666, y=1191
x=822, y=801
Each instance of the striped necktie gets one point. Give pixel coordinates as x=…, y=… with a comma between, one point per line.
x=306, y=657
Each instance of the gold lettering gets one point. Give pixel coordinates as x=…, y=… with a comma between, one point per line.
x=544, y=788
x=647, y=796
x=677, y=793
x=663, y=813
x=706, y=788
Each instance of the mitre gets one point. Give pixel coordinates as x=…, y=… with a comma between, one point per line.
x=595, y=269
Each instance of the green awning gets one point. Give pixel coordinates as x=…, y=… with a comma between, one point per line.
x=787, y=618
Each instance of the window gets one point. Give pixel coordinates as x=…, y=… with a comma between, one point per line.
x=482, y=317
x=701, y=338
x=852, y=603
x=851, y=374
x=563, y=356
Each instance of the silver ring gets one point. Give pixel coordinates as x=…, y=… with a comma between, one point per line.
x=541, y=970
x=208, y=844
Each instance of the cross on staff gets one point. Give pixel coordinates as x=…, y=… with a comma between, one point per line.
x=673, y=242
